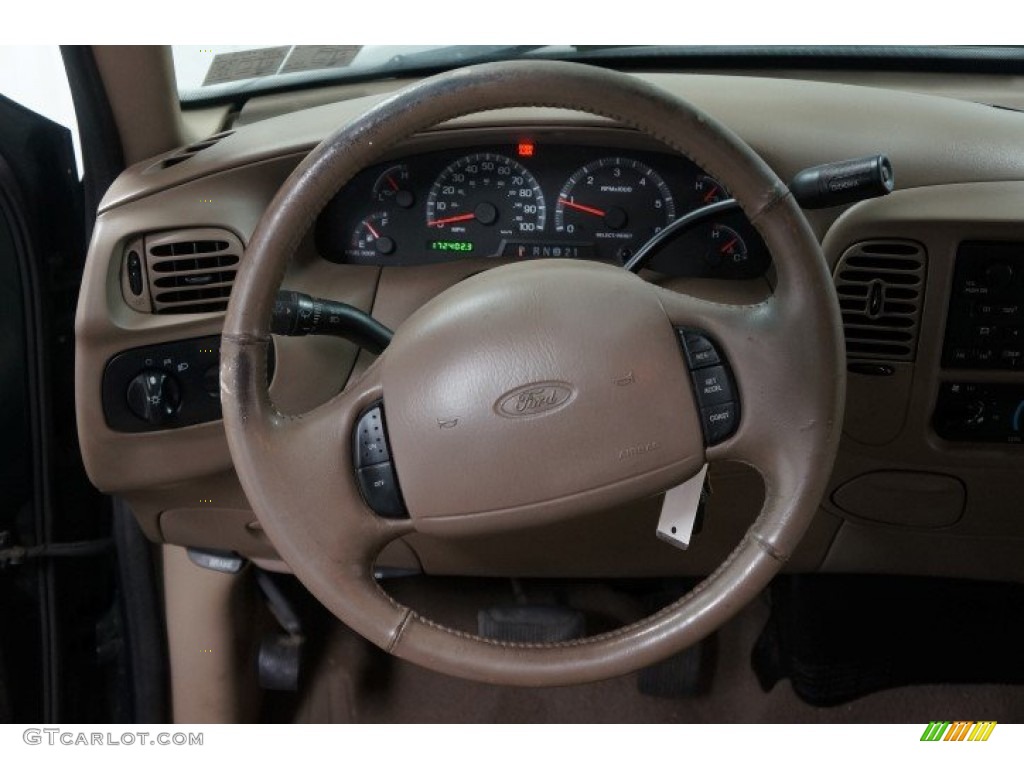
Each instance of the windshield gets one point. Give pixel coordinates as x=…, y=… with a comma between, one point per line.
x=208, y=74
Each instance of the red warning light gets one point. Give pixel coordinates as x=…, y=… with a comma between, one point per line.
x=525, y=149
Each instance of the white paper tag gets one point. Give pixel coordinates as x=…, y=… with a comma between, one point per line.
x=306, y=58
x=679, y=511
x=244, y=65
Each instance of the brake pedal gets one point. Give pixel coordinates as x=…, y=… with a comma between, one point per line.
x=530, y=623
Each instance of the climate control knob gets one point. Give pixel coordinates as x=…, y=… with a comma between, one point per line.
x=154, y=396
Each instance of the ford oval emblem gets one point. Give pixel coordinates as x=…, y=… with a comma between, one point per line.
x=535, y=399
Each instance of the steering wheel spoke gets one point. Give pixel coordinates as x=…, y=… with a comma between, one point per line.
x=774, y=359
x=313, y=451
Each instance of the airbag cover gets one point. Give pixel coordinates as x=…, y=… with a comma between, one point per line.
x=537, y=390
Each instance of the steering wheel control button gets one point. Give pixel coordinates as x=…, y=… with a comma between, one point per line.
x=700, y=352
x=374, y=471
x=719, y=422
x=371, y=445
x=716, y=392
x=714, y=386
x=380, y=490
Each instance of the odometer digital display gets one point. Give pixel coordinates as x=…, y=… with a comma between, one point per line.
x=462, y=246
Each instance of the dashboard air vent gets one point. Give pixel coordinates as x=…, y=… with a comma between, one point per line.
x=881, y=287
x=185, y=153
x=191, y=270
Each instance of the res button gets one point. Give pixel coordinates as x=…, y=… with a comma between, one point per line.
x=700, y=352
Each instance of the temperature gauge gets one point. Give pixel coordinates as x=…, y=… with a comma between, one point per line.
x=392, y=187
x=725, y=246
x=371, y=239
x=709, y=190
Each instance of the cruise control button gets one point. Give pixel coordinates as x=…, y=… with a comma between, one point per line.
x=371, y=446
x=700, y=352
x=380, y=490
x=719, y=422
x=713, y=386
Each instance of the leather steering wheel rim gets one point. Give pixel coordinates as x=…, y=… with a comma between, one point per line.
x=786, y=354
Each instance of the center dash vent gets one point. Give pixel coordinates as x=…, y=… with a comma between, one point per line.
x=881, y=286
x=191, y=270
x=185, y=153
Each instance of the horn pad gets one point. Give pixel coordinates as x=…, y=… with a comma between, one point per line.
x=537, y=391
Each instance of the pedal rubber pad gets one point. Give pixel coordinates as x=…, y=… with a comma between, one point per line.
x=530, y=623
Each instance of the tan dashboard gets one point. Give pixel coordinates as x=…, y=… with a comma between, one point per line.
x=903, y=498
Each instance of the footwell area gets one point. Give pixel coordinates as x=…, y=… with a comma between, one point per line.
x=837, y=638
x=351, y=681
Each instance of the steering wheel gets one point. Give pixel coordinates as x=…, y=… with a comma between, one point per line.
x=538, y=391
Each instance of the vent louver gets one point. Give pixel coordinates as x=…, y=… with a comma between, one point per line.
x=191, y=270
x=881, y=286
x=191, y=150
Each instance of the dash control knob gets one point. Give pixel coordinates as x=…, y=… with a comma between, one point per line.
x=154, y=396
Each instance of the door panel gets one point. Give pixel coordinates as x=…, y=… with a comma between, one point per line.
x=59, y=617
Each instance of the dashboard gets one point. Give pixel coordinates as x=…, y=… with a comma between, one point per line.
x=532, y=199
x=930, y=458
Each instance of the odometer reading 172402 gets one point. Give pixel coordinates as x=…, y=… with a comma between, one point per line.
x=486, y=198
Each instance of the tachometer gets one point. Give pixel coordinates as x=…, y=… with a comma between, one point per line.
x=617, y=201
x=485, y=198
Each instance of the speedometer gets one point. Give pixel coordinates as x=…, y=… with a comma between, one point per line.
x=484, y=199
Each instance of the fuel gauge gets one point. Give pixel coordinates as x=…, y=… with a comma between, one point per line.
x=370, y=238
x=392, y=187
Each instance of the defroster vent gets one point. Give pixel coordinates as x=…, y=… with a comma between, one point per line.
x=190, y=151
x=881, y=287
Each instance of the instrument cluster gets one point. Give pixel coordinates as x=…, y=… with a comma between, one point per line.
x=529, y=200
